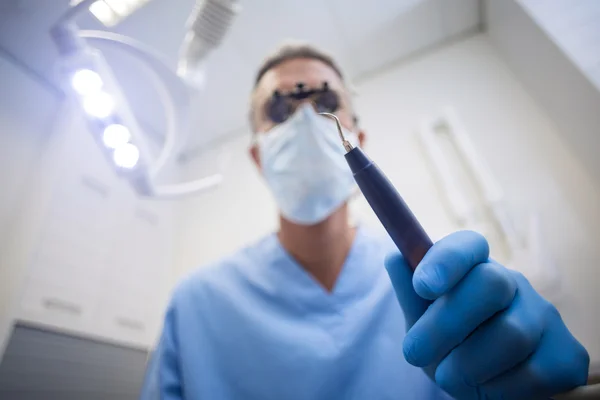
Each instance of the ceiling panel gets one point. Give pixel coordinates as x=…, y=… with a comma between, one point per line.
x=358, y=18
x=264, y=24
x=459, y=15
x=363, y=22
x=160, y=23
x=401, y=33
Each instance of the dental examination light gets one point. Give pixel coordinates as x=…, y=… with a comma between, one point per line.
x=89, y=80
x=86, y=81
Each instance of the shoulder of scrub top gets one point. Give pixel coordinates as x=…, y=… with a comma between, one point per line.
x=221, y=276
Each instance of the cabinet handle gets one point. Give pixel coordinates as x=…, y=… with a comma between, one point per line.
x=94, y=185
x=61, y=305
x=129, y=324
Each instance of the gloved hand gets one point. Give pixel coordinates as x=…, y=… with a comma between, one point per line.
x=487, y=333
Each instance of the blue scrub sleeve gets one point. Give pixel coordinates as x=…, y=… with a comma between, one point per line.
x=163, y=377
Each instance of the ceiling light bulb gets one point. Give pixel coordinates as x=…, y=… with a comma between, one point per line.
x=104, y=13
x=99, y=105
x=126, y=156
x=120, y=7
x=86, y=81
x=116, y=135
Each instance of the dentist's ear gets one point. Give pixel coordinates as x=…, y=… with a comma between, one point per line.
x=362, y=138
x=255, y=154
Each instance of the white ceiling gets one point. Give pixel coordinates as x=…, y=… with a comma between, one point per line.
x=364, y=36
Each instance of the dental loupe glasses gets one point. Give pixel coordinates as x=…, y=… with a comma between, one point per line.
x=89, y=79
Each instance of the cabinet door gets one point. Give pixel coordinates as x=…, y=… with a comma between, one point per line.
x=132, y=303
x=73, y=249
x=102, y=255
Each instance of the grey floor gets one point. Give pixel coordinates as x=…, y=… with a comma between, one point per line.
x=39, y=364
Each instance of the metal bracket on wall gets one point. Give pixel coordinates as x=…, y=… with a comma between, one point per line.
x=476, y=200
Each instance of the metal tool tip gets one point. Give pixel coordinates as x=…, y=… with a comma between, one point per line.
x=347, y=145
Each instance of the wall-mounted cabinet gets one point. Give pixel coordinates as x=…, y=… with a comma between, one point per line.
x=99, y=265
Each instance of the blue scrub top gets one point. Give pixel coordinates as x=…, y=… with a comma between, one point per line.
x=258, y=326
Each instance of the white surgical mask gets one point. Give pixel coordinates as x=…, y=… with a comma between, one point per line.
x=303, y=163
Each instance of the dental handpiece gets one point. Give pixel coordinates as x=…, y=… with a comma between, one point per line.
x=397, y=219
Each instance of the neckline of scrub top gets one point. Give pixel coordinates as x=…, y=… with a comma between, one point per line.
x=292, y=282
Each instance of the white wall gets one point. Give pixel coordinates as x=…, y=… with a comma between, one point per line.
x=27, y=110
x=221, y=220
x=517, y=138
x=538, y=53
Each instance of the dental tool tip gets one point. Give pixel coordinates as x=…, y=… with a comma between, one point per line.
x=347, y=145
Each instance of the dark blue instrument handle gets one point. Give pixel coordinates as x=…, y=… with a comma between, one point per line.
x=397, y=219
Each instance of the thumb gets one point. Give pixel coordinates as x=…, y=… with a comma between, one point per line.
x=401, y=274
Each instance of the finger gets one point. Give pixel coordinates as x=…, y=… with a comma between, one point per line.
x=559, y=364
x=400, y=274
x=487, y=289
x=448, y=261
x=498, y=345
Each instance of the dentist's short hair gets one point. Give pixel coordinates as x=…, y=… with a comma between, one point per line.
x=294, y=50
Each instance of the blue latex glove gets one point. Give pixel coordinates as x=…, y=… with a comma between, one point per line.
x=487, y=334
